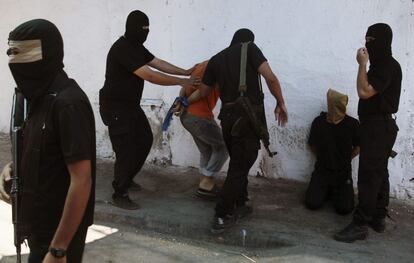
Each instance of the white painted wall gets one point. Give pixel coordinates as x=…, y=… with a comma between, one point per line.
x=311, y=46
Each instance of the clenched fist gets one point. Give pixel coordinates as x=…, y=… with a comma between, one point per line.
x=362, y=56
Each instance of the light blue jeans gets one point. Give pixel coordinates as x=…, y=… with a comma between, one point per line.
x=209, y=140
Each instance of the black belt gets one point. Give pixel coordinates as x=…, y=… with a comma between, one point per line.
x=376, y=117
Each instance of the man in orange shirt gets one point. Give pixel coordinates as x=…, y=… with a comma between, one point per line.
x=199, y=121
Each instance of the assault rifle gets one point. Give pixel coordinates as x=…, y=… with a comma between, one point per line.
x=259, y=126
x=19, y=110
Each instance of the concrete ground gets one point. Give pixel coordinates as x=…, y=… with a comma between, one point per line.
x=173, y=225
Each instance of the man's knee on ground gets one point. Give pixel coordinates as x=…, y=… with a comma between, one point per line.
x=346, y=205
x=312, y=203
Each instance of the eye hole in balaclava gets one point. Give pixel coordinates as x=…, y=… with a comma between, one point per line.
x=35, y=56
x=137, y=27
x=337, y=103
x=242, y=35
x=379, y=45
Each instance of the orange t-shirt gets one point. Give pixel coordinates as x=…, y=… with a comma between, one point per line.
x=204, y=107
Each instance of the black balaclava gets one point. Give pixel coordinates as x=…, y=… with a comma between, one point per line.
x=242, y=35
x=133, y=29
x=380, y=47
x=35, y=56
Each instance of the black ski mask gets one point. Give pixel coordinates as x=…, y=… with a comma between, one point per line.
x=379, y=48
x=35, y=56
x=242, y=35
x=134, y=31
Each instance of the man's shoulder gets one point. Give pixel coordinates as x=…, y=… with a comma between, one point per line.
x=218, y=55
x=71, y=94
x=396, y=65
x=320, y=118
x=351, y=120
x=120, y=42
x=388, y=65
x=122, y=45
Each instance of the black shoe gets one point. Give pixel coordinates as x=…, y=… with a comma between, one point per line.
x=220, y=224
x=352, y=233
x=243, y=211
x=124, y=202
x=134, y=186
x=378, y=225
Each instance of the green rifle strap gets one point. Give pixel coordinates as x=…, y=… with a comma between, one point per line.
x=243, y=62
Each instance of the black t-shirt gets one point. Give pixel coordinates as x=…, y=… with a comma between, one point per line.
x=224, y=69
x=122, y=88
x=385, y=78
x=334, y=142
x=69, y=136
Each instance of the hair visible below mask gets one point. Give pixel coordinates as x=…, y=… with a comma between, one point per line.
x=337, y=103
x=133, y=28
x=380, y=47
x=36, y=56
x=242, y=35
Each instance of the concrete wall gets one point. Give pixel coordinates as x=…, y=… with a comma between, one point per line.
x=311, y=46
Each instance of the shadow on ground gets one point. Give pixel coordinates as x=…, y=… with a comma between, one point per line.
x=173, y=225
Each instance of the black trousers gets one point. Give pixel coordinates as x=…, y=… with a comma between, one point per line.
x=131, y=137
x=39, y=243
x=243, y=149
x=331, y=184
x=377, y=139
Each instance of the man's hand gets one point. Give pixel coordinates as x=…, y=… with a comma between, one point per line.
x=178, y=109
x=5, y=176
x=281, y=114
x=362, y=56
x=190, y=70
x=193, y=81
x=51, y=259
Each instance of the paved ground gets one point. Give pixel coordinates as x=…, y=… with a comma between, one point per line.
x=173, y=225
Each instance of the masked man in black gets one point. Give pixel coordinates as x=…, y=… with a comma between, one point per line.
x=379, y=92
x=334, y=139
x=58, y=151
x=127, y=66
x=223, y=69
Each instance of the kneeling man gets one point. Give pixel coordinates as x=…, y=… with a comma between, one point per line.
x=334, y=140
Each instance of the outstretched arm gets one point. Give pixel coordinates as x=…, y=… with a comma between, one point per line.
x=160, y=78
x=273, y=84
x=166, y=67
